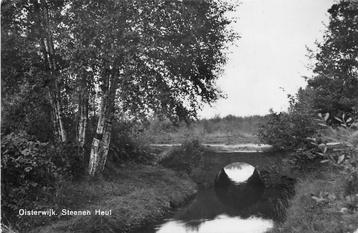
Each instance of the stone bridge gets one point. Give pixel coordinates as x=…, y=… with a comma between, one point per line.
x=214, y=161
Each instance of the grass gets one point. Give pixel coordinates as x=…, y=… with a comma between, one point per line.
x=227, y=130
x=320, y=206
x=136, y=194
x=210, y=138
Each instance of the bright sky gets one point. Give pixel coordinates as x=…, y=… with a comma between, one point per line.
x=270, y=56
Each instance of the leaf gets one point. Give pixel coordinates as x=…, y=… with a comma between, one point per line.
x=338, y=119
x=325, y=149
x=324, y=161
x=326, y=116
x=322, y=145
x=340, y=159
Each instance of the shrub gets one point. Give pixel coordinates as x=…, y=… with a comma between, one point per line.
x=127, y=144
x=31, y=173
x=287, y=131
x=346, y=156
x=68, y=159
x=28, y=175
x=184, y=158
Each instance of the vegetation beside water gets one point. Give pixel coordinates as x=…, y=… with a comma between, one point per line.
x=136, y=195
x=321, y=205
x=79, y=80
x=223, y=130
x=44, y=165
x=322, y=113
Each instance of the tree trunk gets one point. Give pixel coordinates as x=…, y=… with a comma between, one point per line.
x=48, y=52
x=101, y=141
x=82, y=114
x=57, y=120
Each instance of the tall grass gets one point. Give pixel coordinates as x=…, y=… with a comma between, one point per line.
x=228, y=130
x=326, y=200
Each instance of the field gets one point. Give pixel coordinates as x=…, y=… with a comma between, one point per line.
x=226, y=130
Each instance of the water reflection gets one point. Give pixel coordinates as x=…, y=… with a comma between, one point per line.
x=239, y=185
x=221, y=223
x=239, y=172
x=238, y=203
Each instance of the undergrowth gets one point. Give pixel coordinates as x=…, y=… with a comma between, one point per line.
x=184, y=158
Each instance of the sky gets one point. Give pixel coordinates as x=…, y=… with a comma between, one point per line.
x=270, y=59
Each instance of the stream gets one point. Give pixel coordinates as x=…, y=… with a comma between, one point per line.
x=232, y=197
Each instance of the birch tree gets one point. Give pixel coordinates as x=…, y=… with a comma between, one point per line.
x=158, y=57
x=135, y=57
x=38, y=22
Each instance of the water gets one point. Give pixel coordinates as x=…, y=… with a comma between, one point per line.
x=221, y=223
x=208, y=214
x=236, y=206
x=239, y=172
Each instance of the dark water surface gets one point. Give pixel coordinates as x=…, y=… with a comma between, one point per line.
x=226, y=207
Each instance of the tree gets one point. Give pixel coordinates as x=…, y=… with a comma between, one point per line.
x=332, y=89
x=133, y=58
x=159, y=57
x=38, y=24
x=335, y=83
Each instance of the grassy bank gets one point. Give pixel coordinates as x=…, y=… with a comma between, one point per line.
x=321, y=205
x=135, y=194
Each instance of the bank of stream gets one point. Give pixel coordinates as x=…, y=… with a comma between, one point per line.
x=231, y=209
x=152, y=198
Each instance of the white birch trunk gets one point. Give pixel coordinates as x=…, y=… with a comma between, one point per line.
x=48, y=52
x=57, y=120
x=83, y=115
x=101, y=141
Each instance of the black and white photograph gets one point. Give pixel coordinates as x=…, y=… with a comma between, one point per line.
x=179, y=116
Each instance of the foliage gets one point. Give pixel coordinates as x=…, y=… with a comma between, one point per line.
x=228, y=130
x=31, y=173
x=60, y=58
x=345, y=153
x=68, y=159
x=164, y=55
x=319, y=206
x=185, y=158
x=127, y=143
x=137, y=194
x=28, y=175
x=332, y=89
x=335, y=82
x=287, y=131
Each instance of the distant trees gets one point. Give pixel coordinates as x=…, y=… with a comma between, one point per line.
x=75, y=60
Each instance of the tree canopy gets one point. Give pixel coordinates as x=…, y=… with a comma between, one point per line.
x=335, y=80
x=64, y=62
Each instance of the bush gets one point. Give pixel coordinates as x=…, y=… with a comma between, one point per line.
x=31, y=172
x=68, y=159
x=28, y=175
x=344, y=157
x=287, y=131
x=127, y=145
x=184, y=158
